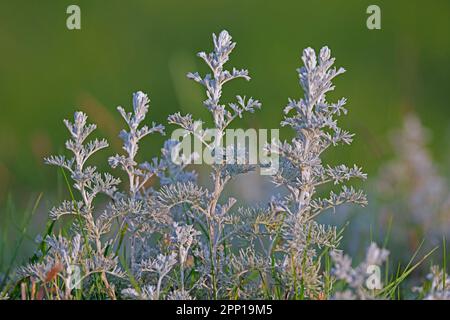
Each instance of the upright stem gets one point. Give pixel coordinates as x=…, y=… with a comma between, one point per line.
x=109, y=289
x=212, y=236
x=182, y=276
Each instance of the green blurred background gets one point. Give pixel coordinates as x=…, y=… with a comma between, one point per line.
x=47, y=71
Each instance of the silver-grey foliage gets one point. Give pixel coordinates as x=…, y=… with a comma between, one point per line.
x=205, y=208
x=438, y=287
x=355, y=278
x=177, y=239
x=411, y=183
x=302, y=172
x=89, y=183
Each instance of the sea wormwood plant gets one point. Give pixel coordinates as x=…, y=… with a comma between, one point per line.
x=140, y=213
x=188, y=241
x=411, y=183
x=301, y=172
x=355, y=278
x=217, y=224
x=86, y=248
x=436, y=286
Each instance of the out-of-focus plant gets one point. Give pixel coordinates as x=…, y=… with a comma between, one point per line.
x=354, y=279
x=436, y=286
x=411, y=189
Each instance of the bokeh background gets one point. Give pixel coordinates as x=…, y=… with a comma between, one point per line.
x=47, y=72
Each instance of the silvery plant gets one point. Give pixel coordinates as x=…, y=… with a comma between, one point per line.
x=86, y=247
x=411, y=183
x=300, y=240
x=436, y=286
x=357, y=284
x=162, y=235
x=206, y=208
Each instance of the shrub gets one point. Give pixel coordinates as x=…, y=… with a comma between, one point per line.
x=180, y=240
